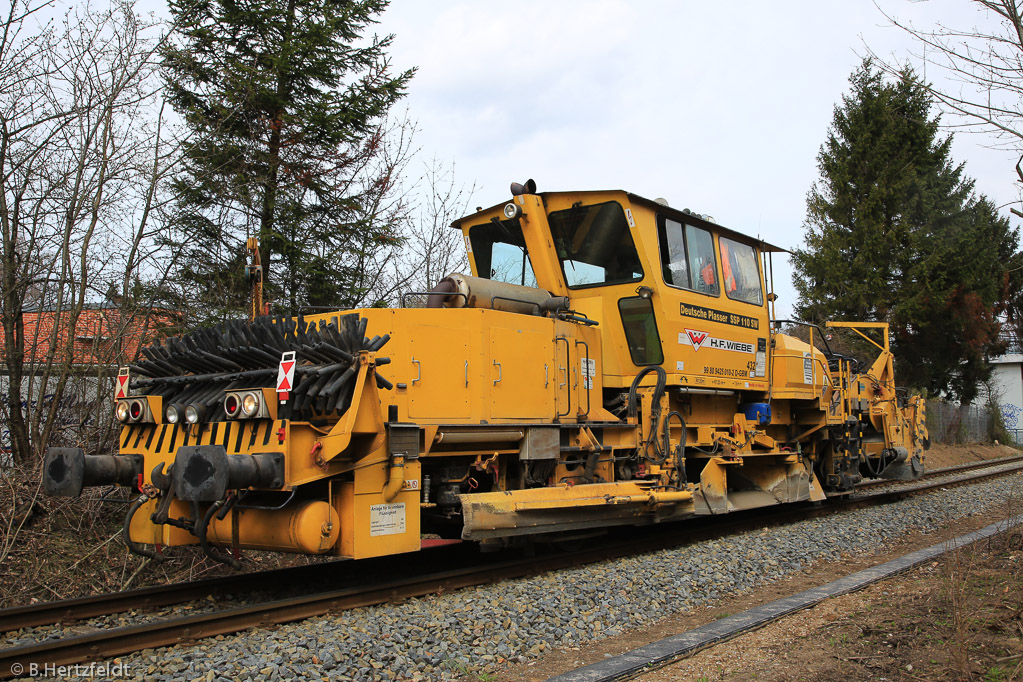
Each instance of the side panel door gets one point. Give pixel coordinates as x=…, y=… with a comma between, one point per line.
x=521, y=375
x=440, y=373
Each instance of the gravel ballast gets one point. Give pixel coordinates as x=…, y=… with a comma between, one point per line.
x=473, y=630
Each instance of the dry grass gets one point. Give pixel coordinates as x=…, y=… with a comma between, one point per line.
x=980, y=596
x=59, y=548
x=963, y=623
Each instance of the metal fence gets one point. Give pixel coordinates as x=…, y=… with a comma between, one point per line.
x=951, y=423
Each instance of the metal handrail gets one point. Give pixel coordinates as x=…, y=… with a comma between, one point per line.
x=431, y=293
x=585, y=377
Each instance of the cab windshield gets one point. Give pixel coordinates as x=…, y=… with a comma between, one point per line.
x=500, y=253
x=594, y=245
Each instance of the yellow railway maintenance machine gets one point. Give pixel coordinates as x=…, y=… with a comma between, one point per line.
x=610, y=360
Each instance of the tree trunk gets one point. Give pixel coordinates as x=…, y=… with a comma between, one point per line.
x=266, y=219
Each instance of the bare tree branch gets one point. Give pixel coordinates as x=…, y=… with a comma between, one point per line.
x=82, y=158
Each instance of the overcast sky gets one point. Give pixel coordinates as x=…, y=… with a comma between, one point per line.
x=717, y=107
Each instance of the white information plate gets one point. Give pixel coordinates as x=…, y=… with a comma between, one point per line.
x=386, y=519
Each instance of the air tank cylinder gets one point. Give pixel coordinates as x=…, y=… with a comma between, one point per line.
x=309, y=528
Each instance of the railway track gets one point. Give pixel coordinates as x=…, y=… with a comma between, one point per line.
x=83, y=608
x=945, y=471
x=108, y=643
x=93, y=606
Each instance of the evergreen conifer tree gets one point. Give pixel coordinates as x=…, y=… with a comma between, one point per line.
x=285, y=100
x=894, y=233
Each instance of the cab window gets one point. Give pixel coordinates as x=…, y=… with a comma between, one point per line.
x=594, y=245
x=499, y=251
x=740, y=272
x=641, y=330
x=687, y=257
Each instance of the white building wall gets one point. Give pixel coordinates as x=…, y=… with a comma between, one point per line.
x=1007, y=387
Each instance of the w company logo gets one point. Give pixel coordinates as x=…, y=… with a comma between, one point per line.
x=696, y=338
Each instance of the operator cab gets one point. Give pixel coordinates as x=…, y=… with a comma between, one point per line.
x=671, y=287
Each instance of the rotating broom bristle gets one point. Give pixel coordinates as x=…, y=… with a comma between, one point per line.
x=198, y=367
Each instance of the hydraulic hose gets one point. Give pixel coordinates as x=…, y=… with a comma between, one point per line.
x=662, y=380
x=208, y=549
x=655, y=407
x=680, y=450
x=126, y=531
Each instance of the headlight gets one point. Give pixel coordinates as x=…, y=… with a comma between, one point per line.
x=121, y=411
x=174, y=413
x=250, y=404
x=195, y=413
x=512, y=210
x=231, y=405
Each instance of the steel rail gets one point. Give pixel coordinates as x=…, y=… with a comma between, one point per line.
x=238, y=584
x=109, y=643
x=81, y=608
x=913, y=488
x=969, y=466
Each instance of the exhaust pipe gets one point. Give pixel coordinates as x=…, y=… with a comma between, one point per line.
x=464, y=291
